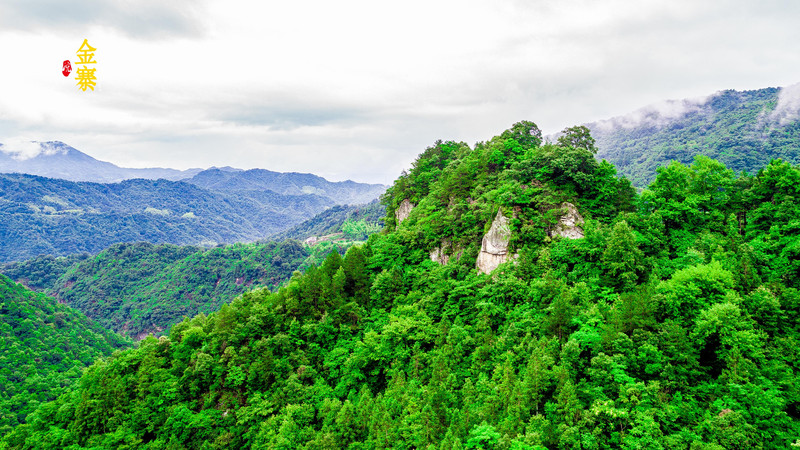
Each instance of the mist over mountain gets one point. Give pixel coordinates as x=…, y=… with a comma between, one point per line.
x=55, y=159
x=520, y=296
x=742, y=129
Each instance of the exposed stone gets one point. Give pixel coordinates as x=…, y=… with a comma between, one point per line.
x=403, y=210
x=441, y=255
x=494, y=247
x=438, y=255
x=569, y=226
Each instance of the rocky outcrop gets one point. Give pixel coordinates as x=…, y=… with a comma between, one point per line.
x=494, y=247
x=441, y=254
x=569, y=226
x=403, y=210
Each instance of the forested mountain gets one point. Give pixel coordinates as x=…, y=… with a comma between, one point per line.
x=341, y=192
x=522, y=296
x=45, y=346
x=331, y=221
x=56, y=159
x=40, y=273
x=136, y=289
x=142, y=288
x=57, y=217
x=743, y=130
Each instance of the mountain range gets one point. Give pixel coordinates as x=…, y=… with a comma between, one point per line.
x=742, y=129
x=141, y=288
x=55, y=159
x=521, y=296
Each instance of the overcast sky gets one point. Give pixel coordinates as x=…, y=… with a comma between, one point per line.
x=356, y=89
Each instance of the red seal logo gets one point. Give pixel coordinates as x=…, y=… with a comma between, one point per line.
x=67, y=68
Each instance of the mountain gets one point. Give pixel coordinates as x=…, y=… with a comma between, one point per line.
x=333, y=219
x=341, y=192
x=521, y=296
x=142, y=288
x=54, y=159
x=41, y=216
x=742, y=129
x=45, y=347
x=137, y=289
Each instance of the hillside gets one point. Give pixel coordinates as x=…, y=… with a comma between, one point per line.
x=136, y=289
x=341, y=192
x=522, y=296
x=45, y=216
x=742, y=129
x=56, y=159
x=331, y=220
x=40, y=273
x=44, y=348
x=142, y=288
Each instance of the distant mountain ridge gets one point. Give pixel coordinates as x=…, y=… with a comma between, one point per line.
x=292, y=183
x=40, y=216
x=47, y=206
x=55, y=159
x=742, y=129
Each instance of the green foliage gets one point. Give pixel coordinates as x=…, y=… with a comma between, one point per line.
x=672, y=324
x=332, y=219
x=45, y=345
x=42, y=272
x=88, y=217
x=136, y=289
x=577, y=137
x=732, y=127
x=359, y=230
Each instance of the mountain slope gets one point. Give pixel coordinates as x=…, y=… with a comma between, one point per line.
x=136, y=289
x=45, y=345
x=743, y=130
x=56, y=159
x=331, y=220
x=662, y=320
x=341, y=192
x=57, y=217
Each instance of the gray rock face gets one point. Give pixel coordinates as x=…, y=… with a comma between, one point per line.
x=569, y=226
x=440, y=254
x=402, y=211
x=494, y=247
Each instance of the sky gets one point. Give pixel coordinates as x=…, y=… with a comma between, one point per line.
x=357, y=89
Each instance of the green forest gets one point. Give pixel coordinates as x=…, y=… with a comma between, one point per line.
x=46, y=216
x=45, y=347
x=141, y=288
x=733, y=127
x=664, y=319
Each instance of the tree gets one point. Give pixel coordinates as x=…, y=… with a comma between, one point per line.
x=577, y=137
x=525, y=132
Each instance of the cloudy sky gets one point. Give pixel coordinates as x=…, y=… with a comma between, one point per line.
x=356, y=89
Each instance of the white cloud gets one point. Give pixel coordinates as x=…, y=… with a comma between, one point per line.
x=788, y=107
x=22, y=148
x=656, y=115
x=356, y=89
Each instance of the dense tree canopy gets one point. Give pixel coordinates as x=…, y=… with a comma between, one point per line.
x=737, y=128
x=673, y=323
x=45, y=345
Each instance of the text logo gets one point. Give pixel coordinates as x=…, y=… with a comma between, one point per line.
x=85, y=75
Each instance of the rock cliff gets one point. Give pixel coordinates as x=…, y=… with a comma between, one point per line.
x=494, y=247
x=569, y=226
x=402, y=211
